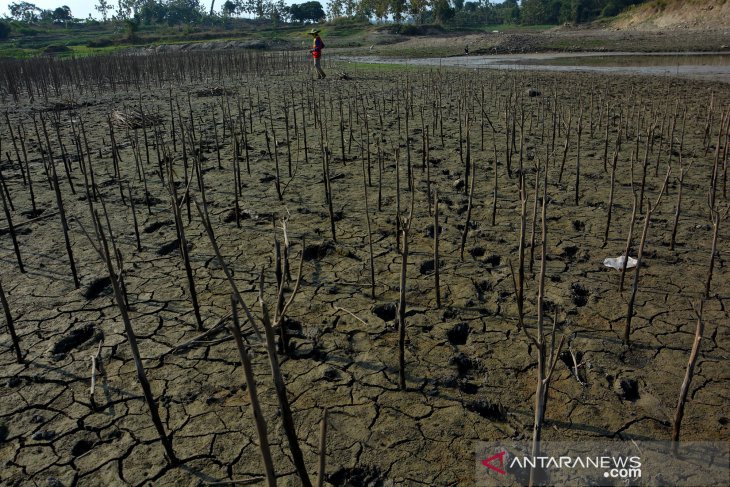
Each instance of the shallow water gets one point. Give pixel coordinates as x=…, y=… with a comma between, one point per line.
x=711, y=66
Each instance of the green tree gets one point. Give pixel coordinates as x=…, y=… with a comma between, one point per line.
x=508, y=12
x=334, y=9
x=4, y=30
x=62, y=15
x=380, y=8
x=351, y=7
x=417, y=8
x=397, y=8
x=442, y=11
x=103, y=7
x=184, y=12
x=308, y=11
x=131, y=26
x=533, y=12
x=229, y=8
x=24, y=11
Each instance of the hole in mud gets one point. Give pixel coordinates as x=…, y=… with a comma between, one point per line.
x=567, y=359
x=428, y=232
x=463, y=363
x=33, y=213
x=629, y=389
x=18, y=231
x=44, y=435
x=268, y=178
x=385, y=311
x=570, y=252
x=477, y=252
x=294, y=327
x=579, y=225
x=487, y=410
x=245, y=214
x=458, y=334
x=336, y=216
x=146, y=200
x=97, y=288
x=449, y=314
x=451, y=382
x=170, y=247
x=213, y=91
x=331, y=374
x=153, y=227
x=483, y=287
x=427, y=267
x=318, y=251
x=360, y=476
x=493, y=260
x=503, y=296
x=74, y=339
x=53, y=482
x=723, y=421
x=81, y=447
x=579, y=294
x=468, y=388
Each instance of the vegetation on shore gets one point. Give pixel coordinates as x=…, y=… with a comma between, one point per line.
x=30, y=31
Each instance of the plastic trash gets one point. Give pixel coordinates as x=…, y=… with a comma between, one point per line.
x=618, y=262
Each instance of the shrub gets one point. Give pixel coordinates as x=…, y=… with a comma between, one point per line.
x=55, y=49
x=4, y=30
x=27, y=31
x=417, y=30
x=103, y=42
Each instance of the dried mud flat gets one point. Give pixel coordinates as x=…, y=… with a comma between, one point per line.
x=470, y=372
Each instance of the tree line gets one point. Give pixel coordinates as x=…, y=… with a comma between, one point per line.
x=447, y=12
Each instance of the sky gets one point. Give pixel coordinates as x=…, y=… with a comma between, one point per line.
x=82, y=8
x=79, y=8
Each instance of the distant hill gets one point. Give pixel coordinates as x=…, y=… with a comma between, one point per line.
x=675, y=14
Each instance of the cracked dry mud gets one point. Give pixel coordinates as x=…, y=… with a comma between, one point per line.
x=470, y=373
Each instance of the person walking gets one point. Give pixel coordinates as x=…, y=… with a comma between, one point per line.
x=317, y=52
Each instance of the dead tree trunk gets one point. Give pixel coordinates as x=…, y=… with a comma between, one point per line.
x=679, y=414
x=132, y=340
x=243, y=352
x=11, y=326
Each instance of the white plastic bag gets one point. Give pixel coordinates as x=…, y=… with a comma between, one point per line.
x=618, y=262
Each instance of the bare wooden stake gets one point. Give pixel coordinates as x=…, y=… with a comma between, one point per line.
x=402, y=313
x=467, y=221
x=258, y=417
x=521, y=251
x=229, y=276
x=370, y=233
x=679, y=414
x=95, y=361
x=280, y=387
x=134, y=218
x=640, y=254
x=11, y=327
x=613, y=183
x=436, y=262
x=322, y=448
x=13, y=236
x=132, y=340
x=716, y=217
